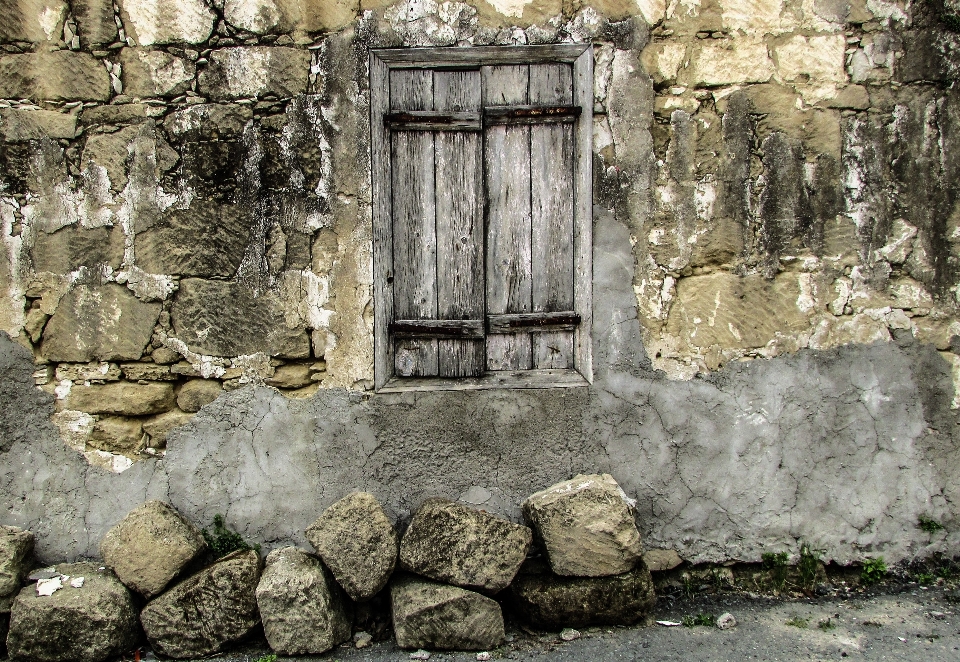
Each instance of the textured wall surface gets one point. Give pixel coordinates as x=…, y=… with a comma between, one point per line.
x=186, y=277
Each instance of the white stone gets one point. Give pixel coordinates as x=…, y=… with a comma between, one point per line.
x=569, y=634
x=752, y=15
x=254, y=15
x=512, y=8
x=653, y=11
x=726, y=621
x=663, y=60
x=732, y=61
x=168, y=21
x=819, y=58
x=47, y=587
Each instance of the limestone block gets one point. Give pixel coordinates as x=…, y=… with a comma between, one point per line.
x=20, y=125
x=198, y=392
x=36, y=21
x=148, y=372
x=452, y=543
x=832, y=11
x=658, y=560
x=663, y=59
x=357, y=542
x=208, y=611
x=150, y=73
x=170, y=247
x=302, y=607
x=71, y=247
x=853, y=97
x=92, y=622
x=151, y=22
x=105, y=322
x=96, y=371
x=547, y=601
x=159, y=426
x=816, y=59
x=436, y=616
x=653, y=11
x=730, y=61
x=150, y=546
x=95, y=19
x=254, y=71
x=116, y=434
x=112, y=152
x=262, y=16
x=53, y=76
x=294, y=375
x=16, y=546
x=122, y=398
x=207, y=122
x=164, y=356
x=755, y=16
x=229, y=319
x=127, y=113
x=586, y=526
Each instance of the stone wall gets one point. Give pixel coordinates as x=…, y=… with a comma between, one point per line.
x=185, y=200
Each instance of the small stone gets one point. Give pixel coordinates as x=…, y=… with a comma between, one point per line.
x=117, y=434
x=151, y=546
x=43, y=573
x=159, y=426
x=302, y=607
x=362, y=639
x=726, y=621
x=208, y=611
x=46, y=587
x=659, y=560
x=293, y=375
x=420, y=655
x=431, y=615
x=198, y=392
x=122, y=398
x=452, y=543
x=569, y=634
x=483, y=657
x=357, y=542
x=147, y=371
x=164, y=356
x=16, y=546
x=91, y=623
x=91, y=372
x=586, y=525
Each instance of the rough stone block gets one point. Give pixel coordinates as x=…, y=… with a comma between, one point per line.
x=261, y=16
x=150, y=372
x=53, y=76
x=548, y=601
x=302, y=607
x=89, y=623
x=149, y=73
x=818, y=59
x=95, y=19
x=658, y=560
x=122, y=398
x=295, y=375
x=853, y=97
x=452, y=543
x=436, y=616
x=36, y=21
x=152, y=22
x=208, y=611
x=207, y=122
x=116, y=434
x=127, y=113
x=16, y=546
x=105, y=322
x=254, y=71
x=586, y=526
x=730, y=61
x=753, y=16
x=72, y=247
x=357, y=542
x=112, y=152
x=20, y=125
x=198, y=392
x=94, y=371
x=229, y=319
x=159, y=426
x=151, y=546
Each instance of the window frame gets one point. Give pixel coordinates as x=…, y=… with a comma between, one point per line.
x=381, y=62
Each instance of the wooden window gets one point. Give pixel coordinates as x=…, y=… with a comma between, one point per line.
x=482, y=214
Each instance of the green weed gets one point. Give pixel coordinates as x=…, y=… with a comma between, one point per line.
x=809, y=565
x=272, y=657
x=223, y=541
x=926, y=578
x=873, y=570
x=929, y=524
x=776, y=563
x=799, y=622
x=700, y=619
x=826, y=624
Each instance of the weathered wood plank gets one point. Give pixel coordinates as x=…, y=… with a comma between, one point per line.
x=533, y=114
x=491, y=380
x=481, y=55
x=583, y=211
x=466, y=328
x=507, y=170
x=460, y=237
x=525, y=322
x=428, y=120
x=414, y=223
x=551, y=208
x=382, y=228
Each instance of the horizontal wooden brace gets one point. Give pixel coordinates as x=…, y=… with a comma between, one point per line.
x=434, y=58
x=524, y=322
x=531, y=114
x=429, y=120
x=437, y=329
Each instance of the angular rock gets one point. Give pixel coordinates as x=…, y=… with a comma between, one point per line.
x=436, y=616
x=122, y=398
x=158, y=427
x=730, y=61
x=451, y=543
x=294, y=375
x=106, y=322
x=36, y=21
x=229, y=319
x=198, y=392
x=71, y=247
x=149, y=73
x=16, y=546
x=128, y=113
x=207, y=122
x=262, y=16
x=255, y=71
x=208, y=611
x=53, y=76
x=357, y=542
x=164, y=356
x=95, y=372
x=95, y=19
x=150, y=372
x=545, y=600
x=151, y=546
x=302, y=608
x=91, y=623
x=116, y=434
x=20, y=125
x=152, y=22
x=658, y=560
x=586, y=526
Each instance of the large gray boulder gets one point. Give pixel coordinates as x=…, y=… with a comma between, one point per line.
x=208, y=611
x=431, y=615
x=546, y=600
x=151, y=546
x=586, y=525
x=357, y=542
x=303, y=609
x=84, y=621
x=451, y=543
x=16, y=546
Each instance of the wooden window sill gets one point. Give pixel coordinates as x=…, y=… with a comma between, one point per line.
x=494, y=379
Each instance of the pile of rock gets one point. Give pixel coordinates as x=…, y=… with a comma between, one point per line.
x=456, y=566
